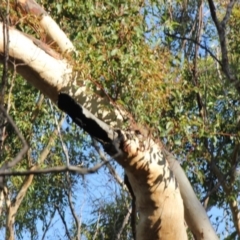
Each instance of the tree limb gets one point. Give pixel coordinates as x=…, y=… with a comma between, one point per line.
x=64, y=223
x=221, y=29
x=59, y=169
x=124, y=223
x=48, y=225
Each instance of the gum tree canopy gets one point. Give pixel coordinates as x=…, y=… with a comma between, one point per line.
x=142, y=79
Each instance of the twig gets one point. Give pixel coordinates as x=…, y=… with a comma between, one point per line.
x=97, y=227
x=213, y=13
x=228, y=13
x=5, y=19
x=124, y=184
x=20, y=155
x=58, y=169
x=48, y=225
x=214, y=189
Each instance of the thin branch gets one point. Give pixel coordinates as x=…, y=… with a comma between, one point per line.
x=77, y=222
x=59, y=134
x=97, y=227
x=5, y=20
x=58, y=169
x=125, y=221
x=196, y=42
x=46, y=150
x=213, y=13
x=20, y=155
x=122, y=183
x=221, y=29
x=200, y=102
x=48, y=225
x=12, y=81
x=103, y=157
x=213, y=190
x=227, y=189
x=228, y=13
x=69, y=194
x=64, y=223
x=5, y=32
x=190, y=33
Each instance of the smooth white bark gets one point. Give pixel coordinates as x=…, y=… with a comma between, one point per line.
x=56, y=73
